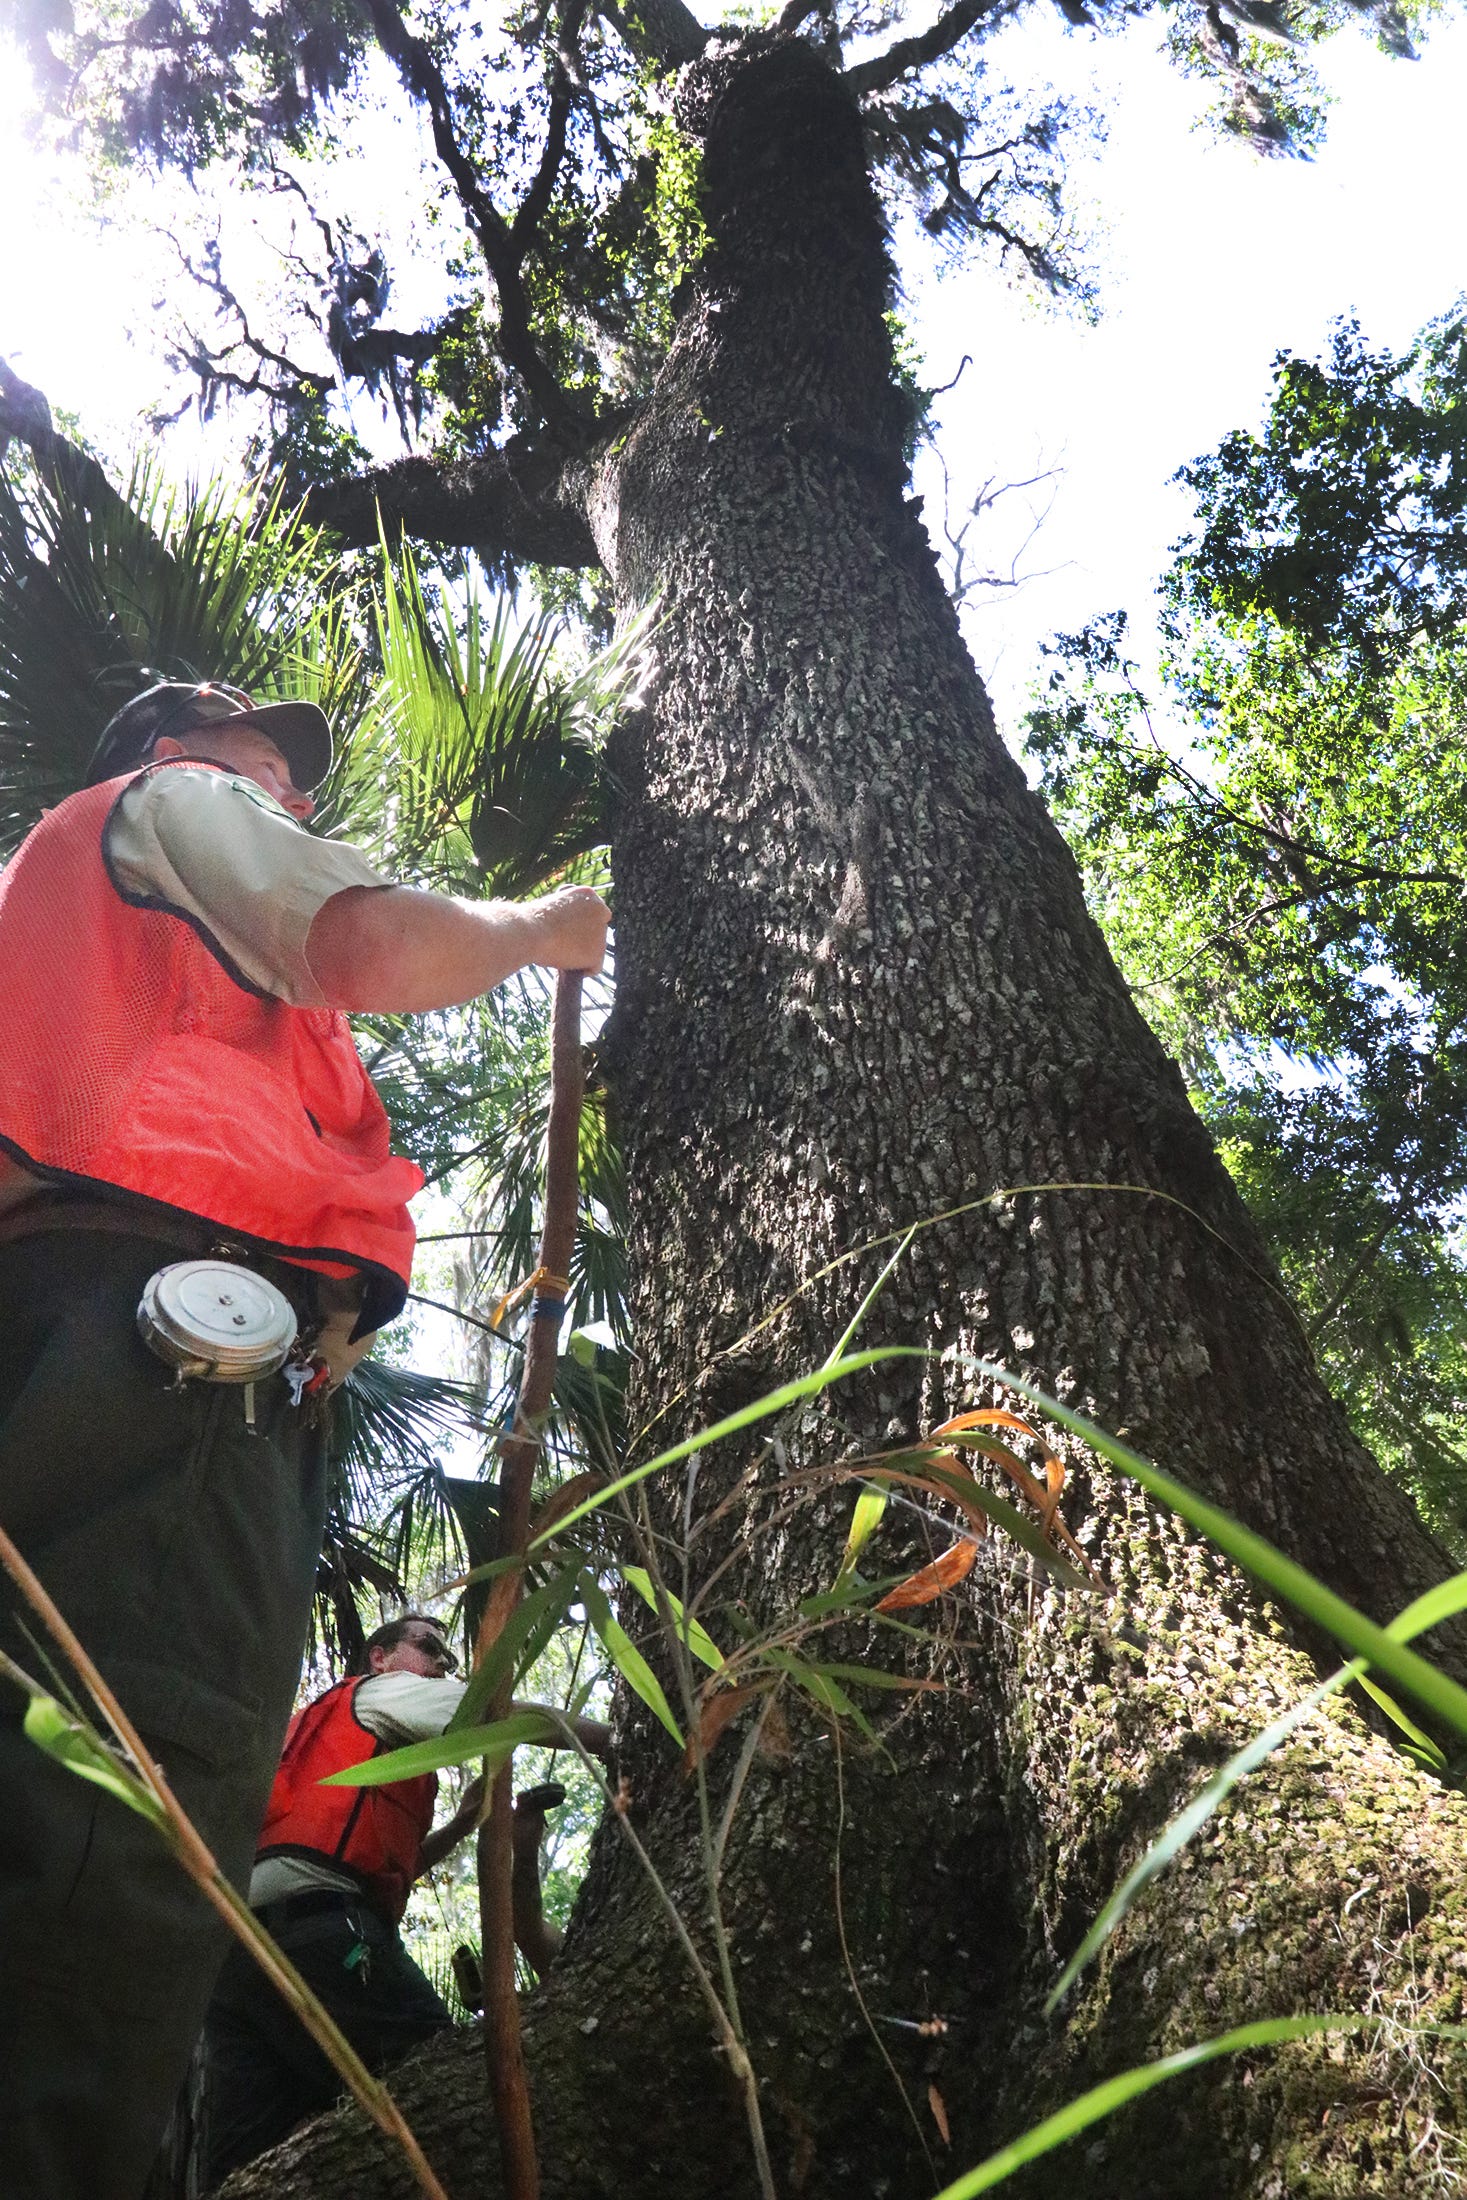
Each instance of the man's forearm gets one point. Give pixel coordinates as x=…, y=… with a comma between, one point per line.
x=538, y=1941
x=444, y=1839
x=394, y=949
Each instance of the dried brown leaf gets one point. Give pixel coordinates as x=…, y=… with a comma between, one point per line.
x=1044, y=1498
x=565, y=1499
x=720, y=1709
x=930, y=1582
x=774, y=1734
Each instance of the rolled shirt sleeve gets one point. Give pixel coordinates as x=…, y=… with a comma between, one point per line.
x=216, y=850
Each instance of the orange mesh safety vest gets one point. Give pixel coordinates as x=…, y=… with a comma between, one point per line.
x=133, y=1055
x=375, y=1833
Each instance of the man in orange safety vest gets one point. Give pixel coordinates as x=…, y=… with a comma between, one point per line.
x=332, y=1875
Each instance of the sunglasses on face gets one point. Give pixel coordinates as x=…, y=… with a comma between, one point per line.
x=432, y=1647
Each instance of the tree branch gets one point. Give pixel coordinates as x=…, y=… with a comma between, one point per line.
x=909, y=54
x=25, y=417
x=662, y=31
x=503, y=252
x=537, y=199
x=510, y=502
x=209, y=365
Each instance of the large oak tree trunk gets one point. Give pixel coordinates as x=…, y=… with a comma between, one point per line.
x=858, y=987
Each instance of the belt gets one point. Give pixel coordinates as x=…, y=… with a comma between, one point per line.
x=318, y=1901
x=182, y=1233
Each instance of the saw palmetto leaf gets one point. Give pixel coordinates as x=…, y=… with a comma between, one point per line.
x=489, y=778
x=104, y=590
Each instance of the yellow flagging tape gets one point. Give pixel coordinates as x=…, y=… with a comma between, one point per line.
x=558, y=1288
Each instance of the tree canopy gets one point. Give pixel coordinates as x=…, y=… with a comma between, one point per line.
x=524, y=175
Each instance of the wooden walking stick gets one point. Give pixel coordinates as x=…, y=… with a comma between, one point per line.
x=519, y=1452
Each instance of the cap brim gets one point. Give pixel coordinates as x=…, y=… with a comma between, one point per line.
x=301, y=732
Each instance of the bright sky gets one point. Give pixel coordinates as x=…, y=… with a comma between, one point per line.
x=1213, y=261
x=1216, y=260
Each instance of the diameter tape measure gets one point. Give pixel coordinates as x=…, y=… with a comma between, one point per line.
x=215, y=1322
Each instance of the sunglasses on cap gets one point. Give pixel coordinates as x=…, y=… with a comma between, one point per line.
x=206, y=705
x=301, y=731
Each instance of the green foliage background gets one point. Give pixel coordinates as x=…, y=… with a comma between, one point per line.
x=1273, y=828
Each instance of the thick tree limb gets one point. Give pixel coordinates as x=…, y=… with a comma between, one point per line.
x=503, y=250
x=25, y=417
x=908, y=54
x=508, y=502
x=663, y=31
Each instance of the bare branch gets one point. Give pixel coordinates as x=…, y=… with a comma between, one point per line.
x=909, y=54
x=286, y=182
x=793, y=14
x=965, y=580
x=511, y=503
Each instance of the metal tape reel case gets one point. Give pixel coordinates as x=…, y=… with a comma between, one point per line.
x=216, y=1322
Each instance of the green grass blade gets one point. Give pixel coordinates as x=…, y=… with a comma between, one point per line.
x=865, y=1520
x=539, y=1612
x=774, y=1401
x=1294, y=1583
x=461, y=1746
x=1418, y=1745
x=1429, y=1609
x=871, y=1676
x=849, y=1594
x=1012, y=1521
x=820, y=1683
x=843, y=1344
x=73, y=1745
x=627, y=1658
x=690, y=1632
x=1103, y=2100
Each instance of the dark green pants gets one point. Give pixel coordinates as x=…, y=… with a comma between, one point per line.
x=182, y=1547
x=264, y=2072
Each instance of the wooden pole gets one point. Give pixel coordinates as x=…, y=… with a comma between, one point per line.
x=518, y=1456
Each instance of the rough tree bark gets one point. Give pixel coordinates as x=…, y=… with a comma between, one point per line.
x=858, y=986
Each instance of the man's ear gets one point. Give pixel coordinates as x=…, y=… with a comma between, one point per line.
x=165, y=745
x=377, y=1659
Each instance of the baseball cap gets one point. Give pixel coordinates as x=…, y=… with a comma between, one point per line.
x=301, y=731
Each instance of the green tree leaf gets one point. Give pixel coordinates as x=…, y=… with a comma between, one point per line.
x=626, y=1657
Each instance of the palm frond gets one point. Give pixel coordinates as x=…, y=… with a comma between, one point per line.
x=487, y=778
x=103, y=591
x=394, y=1423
